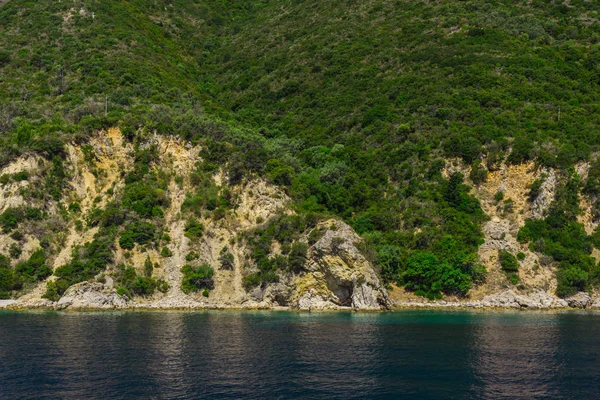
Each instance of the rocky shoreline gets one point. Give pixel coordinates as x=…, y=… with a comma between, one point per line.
x=508, y=300
x=511, y=300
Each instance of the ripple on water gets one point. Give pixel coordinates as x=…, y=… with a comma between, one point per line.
x=231, y=354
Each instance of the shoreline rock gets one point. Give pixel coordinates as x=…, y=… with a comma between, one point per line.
x=95, y=296
x=508, y=300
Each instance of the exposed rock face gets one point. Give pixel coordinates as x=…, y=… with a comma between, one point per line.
x=579, y=300
x=542, y=202
x=336, y=275
x=507, y=215
x=339, y=275
x=507, y=299
x=595, y=304
x=10, y=195
x=86, y=295
x=510, y=299
x=312, y=300
x=278, y=294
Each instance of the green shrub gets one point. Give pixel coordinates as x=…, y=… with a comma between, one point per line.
x=315, y=235
x=165, y=252
x=513, y=277
x=55, y=289
x=297, y=257
x=88, y=261
x=226, y=259
x=9, y=280
x=478, y=174
x=427, y=276
x=21, y=176
x=196, y=279
x=535, y=189
x=35, y=268
x=4, y=58
x=478, y=273
x=14, y=251
x=16, y=235
x=571, y=280
x=4, y=261
x=139, y=232
x=193, y=229
x=130, y=284
x=148, y=267
x=11, y=217
x=499, y=196
x=508, y=262
x=391, y=260
x=145, y=200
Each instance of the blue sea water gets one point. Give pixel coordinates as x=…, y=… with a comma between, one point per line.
x=273, y=354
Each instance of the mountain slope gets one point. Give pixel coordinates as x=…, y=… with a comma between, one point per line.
x=355, y=109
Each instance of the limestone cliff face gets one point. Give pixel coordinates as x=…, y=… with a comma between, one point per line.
x=336, y=274
x=508, y=212
x=507, y=216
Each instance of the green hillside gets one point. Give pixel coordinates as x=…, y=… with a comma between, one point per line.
x=352, y=106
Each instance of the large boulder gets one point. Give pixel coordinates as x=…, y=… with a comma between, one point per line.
x=338, y=273
x=579, y=300
x=90, y=295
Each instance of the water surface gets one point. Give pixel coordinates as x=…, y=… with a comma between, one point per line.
x=272, y=354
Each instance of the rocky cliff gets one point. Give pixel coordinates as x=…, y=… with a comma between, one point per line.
x=506, y=198
x=334, y=274
x=331, y=271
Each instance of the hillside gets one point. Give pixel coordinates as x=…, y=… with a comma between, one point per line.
x=459, y=139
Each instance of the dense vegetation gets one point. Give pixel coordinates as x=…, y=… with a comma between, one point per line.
x=350, y=106
x=286, y=230
x=88, y=261
x=131, y=284
x=197, y=278
x=510, y=265
x=563, y=238
x=34, y=269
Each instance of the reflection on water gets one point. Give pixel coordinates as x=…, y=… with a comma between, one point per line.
x=227, y=354
x=166, y=365
x=515, y=360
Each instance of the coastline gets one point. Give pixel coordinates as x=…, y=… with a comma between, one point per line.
x=13, y=305
x=400, y=308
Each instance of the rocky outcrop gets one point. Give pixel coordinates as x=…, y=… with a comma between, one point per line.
x=534, y=300
x=595, y=304
x=90, y=295
x=338, y=274
x=505, y=198
x=505, y=300
x=542, y=202
x=580, y=300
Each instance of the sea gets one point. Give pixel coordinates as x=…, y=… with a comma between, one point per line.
x=413, y=354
